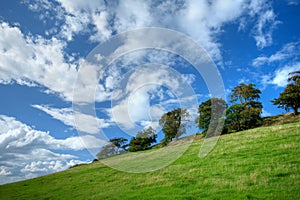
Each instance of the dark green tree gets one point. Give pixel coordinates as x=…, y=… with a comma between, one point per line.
x=290, y=97
x=245, y=112
x=233, y=120
x=143, y=140
x=210, y=112
x=173, y=124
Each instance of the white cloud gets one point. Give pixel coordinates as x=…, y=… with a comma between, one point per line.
x=266, y=22
x=262, y=38
x=27, y=153
x=33, y=60
x=288, y=51
x=64, y=115
x=202, y=20
x=46, y=166
x=4, y=171
x=15, y=134
x=30, y=60
x=89, y=124
x=102, y=27
x=281, y=75
x=83, y=122
x=142, y=87
x=132, y=14
x=74, y=25
x=140, y=84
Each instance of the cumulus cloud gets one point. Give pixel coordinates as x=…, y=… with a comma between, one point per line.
x=27, y=153
x=281, y=75
x=150, y=88
x=202, y=20
x=30, y=60
x=33, y=60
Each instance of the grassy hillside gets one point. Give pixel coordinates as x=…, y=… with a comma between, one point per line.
x=262, y=163
x=280, y=119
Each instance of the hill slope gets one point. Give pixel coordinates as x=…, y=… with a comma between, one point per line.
x=261, y=163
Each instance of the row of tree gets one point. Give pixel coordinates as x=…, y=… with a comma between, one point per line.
x=214, y=115
x=244, y=113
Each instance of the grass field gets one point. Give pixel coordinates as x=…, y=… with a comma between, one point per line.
x=262, y=163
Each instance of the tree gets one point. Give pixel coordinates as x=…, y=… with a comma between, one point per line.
x=216, y=106
x=290, y=97
x=119, y=143
x=143, y=140
x=233, y=118
x=245, y=113
x=172, y=125
x=114, y=147
x=107, y=151
x=244, y=93
x=251, y=114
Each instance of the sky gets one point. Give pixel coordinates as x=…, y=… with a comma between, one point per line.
x=76, y=73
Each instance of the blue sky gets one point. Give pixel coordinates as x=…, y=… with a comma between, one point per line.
x=44, y=44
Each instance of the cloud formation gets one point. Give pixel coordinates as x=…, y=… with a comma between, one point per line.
x=85, y=123
x=201, y=20
x=281, y=74
x=27, y=153
x=290, y=52
x=33, y=60
x=280, y=77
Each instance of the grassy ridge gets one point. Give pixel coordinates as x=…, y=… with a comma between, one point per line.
x=261, y=163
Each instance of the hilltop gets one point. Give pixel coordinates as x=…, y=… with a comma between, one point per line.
x=261, y=163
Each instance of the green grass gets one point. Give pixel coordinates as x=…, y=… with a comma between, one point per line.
x=262, y=163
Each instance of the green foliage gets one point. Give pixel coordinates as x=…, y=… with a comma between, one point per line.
x=233, y=118
x=245, y=114
x=205, y=120
x=172, y=124
x=119, y=143
x=115, y=146
x=143, y=140
x=260, y=164
x=290, y=97
x=244, y=93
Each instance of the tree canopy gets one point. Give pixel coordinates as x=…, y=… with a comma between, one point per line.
x=244, y=93
x=245, y=112
x=114, y=147
x=172, y=123
x=143, y=140
x=210, y=112
x=290, y=97
x=119, y=142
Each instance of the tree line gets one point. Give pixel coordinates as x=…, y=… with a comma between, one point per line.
x=243, y=112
